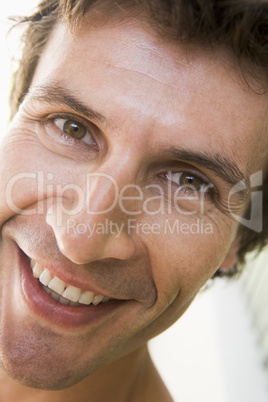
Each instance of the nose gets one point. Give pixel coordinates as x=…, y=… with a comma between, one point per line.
x=94, y=227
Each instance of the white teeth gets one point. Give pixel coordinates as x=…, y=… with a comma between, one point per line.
x=45, y=277
x=62, y=292
x=62, y=300
x=72, y=293
x=37, y=270
x=73, y=304
x=55, y=296
x=97, y=299
x=57, y=285
x=86, y=297
x=47, y=290
x=105, y=299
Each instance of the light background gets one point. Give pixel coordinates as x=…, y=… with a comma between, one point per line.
x=211, y=354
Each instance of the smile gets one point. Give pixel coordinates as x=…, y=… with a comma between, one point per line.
x=63, y=292
x=59, y=301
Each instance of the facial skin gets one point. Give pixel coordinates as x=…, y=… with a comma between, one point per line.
x=153, y=97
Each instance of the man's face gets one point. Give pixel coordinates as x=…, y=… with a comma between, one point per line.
x=135, y=208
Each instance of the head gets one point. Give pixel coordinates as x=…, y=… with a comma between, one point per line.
x=239, y=27
x=127, y=169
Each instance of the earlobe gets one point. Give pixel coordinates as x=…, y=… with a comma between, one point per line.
x=231, y=258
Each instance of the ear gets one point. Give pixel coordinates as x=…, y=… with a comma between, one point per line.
x=231, y=257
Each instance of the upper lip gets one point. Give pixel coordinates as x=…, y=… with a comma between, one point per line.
x=116, y=279
x=62, y=271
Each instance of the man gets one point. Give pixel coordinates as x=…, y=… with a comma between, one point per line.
x=138, y=131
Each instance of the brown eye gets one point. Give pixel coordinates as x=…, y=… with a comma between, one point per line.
x=74, y=129
x=189, y=180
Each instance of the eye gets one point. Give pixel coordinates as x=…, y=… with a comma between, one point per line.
x=189, y=181
x=75, y=130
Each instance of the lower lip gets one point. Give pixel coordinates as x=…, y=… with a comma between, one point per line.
x=68, y=317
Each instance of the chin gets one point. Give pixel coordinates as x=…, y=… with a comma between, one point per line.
x=34, y=368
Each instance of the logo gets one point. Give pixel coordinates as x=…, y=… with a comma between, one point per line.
x=255, y=221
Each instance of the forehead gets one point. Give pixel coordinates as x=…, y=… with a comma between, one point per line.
x=195, y=90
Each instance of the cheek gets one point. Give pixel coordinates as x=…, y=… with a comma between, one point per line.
x=185, y=256
x=21, y=171
x=29, y=175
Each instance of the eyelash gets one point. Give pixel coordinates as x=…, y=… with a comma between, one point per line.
x=210, y=190
x=210, y=193
x=75, y=119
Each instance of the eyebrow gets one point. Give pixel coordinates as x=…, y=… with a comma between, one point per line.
x=220, y=165
x=61, y=96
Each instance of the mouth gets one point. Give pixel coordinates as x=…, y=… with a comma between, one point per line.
x=62, y=292
x=60, y=303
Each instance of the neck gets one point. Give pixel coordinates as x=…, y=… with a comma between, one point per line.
x=131, y=378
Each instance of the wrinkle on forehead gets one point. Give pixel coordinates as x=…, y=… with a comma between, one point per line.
x=200, y=78
x=141, y=48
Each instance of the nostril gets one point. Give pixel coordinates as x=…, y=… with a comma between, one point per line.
x=82, y=247
x=84, y=238
x=121, y=248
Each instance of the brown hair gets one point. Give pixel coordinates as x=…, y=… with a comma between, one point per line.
x=239, y=25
